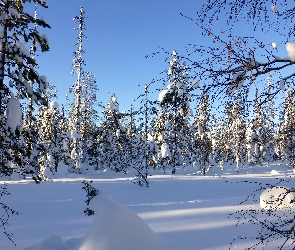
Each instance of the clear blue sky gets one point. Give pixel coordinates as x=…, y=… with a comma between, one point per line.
x=120, y=34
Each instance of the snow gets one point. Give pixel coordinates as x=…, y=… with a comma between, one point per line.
x=163, y=93
x=113, y=104
x=274, y=172
x=54, y=105
x=75, y=135
x=62, y=171
x=14, y=114
x=108, y=230
x=277, y=198
x=291, y=51
x=165, y=151
x=23, y=50
x=29, y=88
x=274, y=45
x=183, y=211
x=13, y=11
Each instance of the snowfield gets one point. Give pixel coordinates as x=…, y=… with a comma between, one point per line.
x=184, y=211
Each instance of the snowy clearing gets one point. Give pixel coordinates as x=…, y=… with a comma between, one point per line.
x=185, y=211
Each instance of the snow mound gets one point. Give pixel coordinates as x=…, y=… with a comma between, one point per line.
x=116, y=227
x=52, y=243
x=277, y=198
x=274, y=172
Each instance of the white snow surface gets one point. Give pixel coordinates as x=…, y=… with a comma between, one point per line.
x=184, y=211
x=117, y=227
x=14, y=114
x=277, y=197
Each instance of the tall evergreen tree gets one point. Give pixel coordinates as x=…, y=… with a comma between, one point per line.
x=83, y=114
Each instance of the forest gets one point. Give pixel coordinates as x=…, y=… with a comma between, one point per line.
x=182, y=128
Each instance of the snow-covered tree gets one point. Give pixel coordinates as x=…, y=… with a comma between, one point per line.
x=172, y=122
x=51, y=138
x=271, y=113
x=236, y=131
x=18, y=81
x=111, y=146
x=202, y=144
x=83, y=114
x=17, y=68
x=286, y=135
x=260, y=135
x=218, y=141
x=89, y=114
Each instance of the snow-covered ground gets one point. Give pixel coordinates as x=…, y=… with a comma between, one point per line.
x=184, y=211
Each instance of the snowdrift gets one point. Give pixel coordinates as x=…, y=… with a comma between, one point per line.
x=115, y=227
x=278, y=197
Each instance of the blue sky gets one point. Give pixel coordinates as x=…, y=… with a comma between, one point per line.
x=120, y=33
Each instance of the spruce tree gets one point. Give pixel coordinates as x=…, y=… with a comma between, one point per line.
x=236, y=130
x=172, y=122
x=83, y=114
x=286, y=135
x=218, y=141
x=202, y=141
x=51, y=137
x=17, y=71
x=111, y=147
